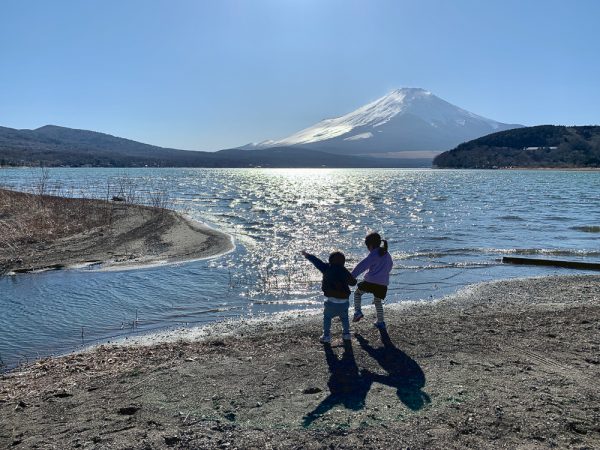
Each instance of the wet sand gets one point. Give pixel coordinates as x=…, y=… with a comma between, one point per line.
x=511, y=364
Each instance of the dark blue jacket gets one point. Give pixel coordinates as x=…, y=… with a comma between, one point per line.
x=336, y=279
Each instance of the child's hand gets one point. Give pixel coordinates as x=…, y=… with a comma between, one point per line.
x=304, y=252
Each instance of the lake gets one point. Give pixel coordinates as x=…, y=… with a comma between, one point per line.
x=446, y=229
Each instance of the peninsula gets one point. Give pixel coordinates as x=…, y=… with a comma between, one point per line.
x=544, y=146
x=40, y=232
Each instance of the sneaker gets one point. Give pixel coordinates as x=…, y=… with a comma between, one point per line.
x=325, y=339
x=357, y=316
x=380, y=325
x=347, y=337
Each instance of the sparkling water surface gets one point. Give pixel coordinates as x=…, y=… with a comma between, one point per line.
x=446, y=229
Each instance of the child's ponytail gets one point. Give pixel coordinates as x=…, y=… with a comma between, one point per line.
x=383, y=250
x=373, y=241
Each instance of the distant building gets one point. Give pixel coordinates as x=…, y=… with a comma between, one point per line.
x=539, y=148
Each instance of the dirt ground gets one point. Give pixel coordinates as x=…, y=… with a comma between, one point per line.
x=511, y=364
x=112, y=234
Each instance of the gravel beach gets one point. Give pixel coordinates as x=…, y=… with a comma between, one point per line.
x=509, y=364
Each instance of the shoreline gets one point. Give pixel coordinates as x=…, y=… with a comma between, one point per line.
x=122, y=236
x=503, y=363
x=565, y=169
x=555, y=169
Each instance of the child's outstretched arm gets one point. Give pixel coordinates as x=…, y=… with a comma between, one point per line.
x=320, y=265
x=362, y=266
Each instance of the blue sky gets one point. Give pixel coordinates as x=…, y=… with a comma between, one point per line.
x=207, y=75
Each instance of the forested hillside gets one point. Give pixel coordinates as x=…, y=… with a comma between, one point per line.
x=53, y=146
x=539, y=146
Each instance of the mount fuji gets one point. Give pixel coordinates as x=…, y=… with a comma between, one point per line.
x=406, y=123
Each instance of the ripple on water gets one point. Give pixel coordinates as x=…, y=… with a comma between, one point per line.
x=512, y=218
x=588, y=228
x=441, y=225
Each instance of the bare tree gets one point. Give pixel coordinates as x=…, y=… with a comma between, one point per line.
x=41, y=185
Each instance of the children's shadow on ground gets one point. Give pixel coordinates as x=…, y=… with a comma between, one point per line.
x=403, y=372
x=348, y=386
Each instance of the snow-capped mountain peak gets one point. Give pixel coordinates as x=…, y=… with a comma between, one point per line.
x=394, y=123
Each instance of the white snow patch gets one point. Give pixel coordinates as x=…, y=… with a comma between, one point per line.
x=357, y=137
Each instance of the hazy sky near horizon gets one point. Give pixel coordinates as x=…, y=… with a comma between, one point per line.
x=207, y=75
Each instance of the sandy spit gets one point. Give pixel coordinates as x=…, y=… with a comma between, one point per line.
x=511, y=364
x=137, y=236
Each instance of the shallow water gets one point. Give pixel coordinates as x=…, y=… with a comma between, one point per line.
x=447, y=229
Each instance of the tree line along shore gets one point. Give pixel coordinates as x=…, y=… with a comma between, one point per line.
x=539, y=147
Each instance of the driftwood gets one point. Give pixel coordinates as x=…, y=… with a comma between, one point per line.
x=552, y=262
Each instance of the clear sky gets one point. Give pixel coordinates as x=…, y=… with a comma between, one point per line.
x=206, y=75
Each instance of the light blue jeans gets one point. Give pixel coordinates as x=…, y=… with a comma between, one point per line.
x=332, y=310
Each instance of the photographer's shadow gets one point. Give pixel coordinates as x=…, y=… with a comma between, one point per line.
x=404, y=373
x=348, y=386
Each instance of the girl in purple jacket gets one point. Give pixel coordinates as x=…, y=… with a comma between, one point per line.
x=378, y=265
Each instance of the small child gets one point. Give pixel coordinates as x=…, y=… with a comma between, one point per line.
x=379, y=264
x=336, y=280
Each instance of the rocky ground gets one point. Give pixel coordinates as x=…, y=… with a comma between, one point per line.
x=512, y=364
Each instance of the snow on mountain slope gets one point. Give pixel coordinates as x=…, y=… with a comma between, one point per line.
x=407, y=119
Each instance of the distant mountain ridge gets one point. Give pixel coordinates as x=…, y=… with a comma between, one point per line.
x=405, y=120
x=405, y=128
x=547, y=146
x=54, y=146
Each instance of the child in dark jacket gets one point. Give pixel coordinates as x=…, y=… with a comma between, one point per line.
x=336, y=280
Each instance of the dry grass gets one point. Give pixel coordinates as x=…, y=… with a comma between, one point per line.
x=34, y=216
x=27, y=219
